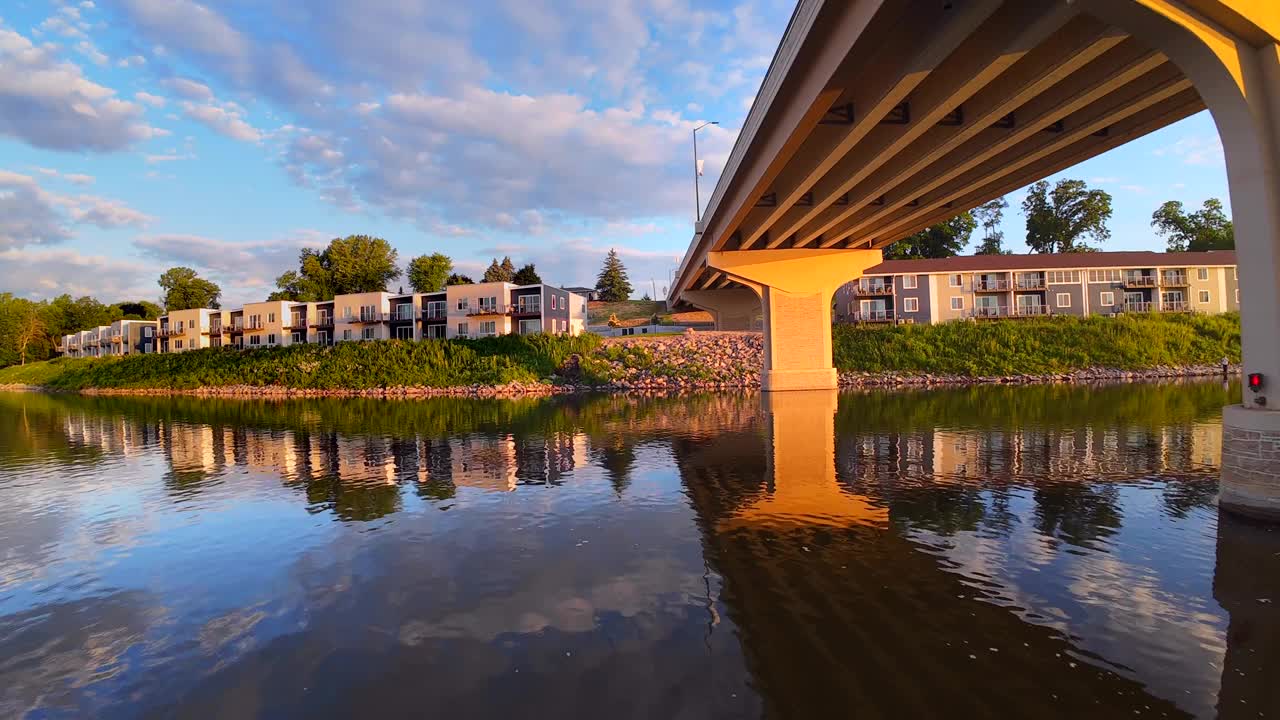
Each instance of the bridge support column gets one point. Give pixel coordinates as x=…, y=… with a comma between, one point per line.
x=795, y=289
x=732, y=308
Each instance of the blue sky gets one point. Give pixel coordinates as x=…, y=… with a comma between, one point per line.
x=140, y=134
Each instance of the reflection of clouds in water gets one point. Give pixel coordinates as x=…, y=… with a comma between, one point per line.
x=1124, y=613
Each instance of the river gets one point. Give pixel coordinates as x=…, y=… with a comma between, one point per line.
x=1046, y=551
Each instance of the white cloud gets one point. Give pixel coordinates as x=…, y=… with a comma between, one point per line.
x=246, y=270
x=49, y=103
x=47, y=272
x=131, y=61
x=31, y=215
x=90, y=51
x=1195, y=150
x=149, y=99
x=187, y=88
x=223, y=118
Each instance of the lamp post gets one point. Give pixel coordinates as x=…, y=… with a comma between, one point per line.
x=697, y=200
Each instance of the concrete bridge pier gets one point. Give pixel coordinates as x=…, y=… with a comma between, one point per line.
x=795, y=288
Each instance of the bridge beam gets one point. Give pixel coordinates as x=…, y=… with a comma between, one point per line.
x=730, y=308
x=795, y=289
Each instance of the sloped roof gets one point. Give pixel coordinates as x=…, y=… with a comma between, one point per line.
x=1061, y=261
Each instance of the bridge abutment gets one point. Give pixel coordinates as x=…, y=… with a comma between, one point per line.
x=795, y=288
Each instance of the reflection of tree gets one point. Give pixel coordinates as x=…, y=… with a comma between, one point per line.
x=1078, y=513
x=435, y=470
x=941, y=509
x=617, y=455
x=1182, y=495
x=354, y=501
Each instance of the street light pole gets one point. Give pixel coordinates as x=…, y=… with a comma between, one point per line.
x=697, y=199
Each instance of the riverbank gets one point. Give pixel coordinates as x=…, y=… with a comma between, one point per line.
x=1057, y=350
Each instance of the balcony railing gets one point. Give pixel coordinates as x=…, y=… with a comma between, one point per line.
x=214, y=331
x=166, y=332
x=323, y=321
x=1030, y=310
x=297, y=322
x=369, y=317
x=1029, y=283
x=997, y=285
x=1139, y=281
x=236, y=328
x=1174, y=279
x=877, y=288
x=487, y=310
x=1138, y=307
x=403, y=313
x=873, y=316
x=991, y=311
x=527, y=309
x=435, y=314
x=1175, y=306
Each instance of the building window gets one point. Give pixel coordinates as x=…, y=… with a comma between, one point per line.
x=911, y=305
x=1107, y=298
x=1063, y=300
x=488, y=328
x=1202, y=273
x=463, y=304
x=296, y=338
x=346, y=313
x=1063, y=276
x=957, y=303
x=1104, y=276
x=1204, y=296
x=368, y=333
x=954, y=280
x=271, y=338
x=346, y=334
x=271, y=317
x=255, y=340
x=462, y=329
x=146, y=331
x=1237, y=296
x=177, y=344
x=909, y=282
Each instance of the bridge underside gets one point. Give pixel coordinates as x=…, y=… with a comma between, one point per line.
x=879, y=119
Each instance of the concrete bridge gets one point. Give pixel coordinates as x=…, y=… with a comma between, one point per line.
x=878, y=118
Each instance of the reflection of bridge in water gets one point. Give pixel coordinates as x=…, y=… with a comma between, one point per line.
x=852, y=541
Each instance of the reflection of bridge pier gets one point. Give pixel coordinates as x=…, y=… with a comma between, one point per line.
x=1246, y=582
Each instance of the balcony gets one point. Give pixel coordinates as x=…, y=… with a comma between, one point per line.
x=1030, y=311
x=116, y=339
x=873, y=316
x=1029, y=283
x=1175, y=306
x=236, y=329
x=876, y=288
x=439, y=314
x=214, y=331
x=168, y=332
x=365, y=318
x=255, y=327
x=1139, y=281
x=298, y=322
x=324, y=321
x=995, y=285
x=402, y=313
x=1138, y=307
x=990, y=311
x=527, y=310
x=487, y=310
x=1174, y=280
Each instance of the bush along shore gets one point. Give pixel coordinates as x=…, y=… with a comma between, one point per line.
x=961, y=353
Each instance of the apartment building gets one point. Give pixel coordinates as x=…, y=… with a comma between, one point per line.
x=182, y=330
x=481, y=310
x=983, y=287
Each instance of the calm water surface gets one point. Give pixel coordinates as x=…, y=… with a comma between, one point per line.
x=994, y=552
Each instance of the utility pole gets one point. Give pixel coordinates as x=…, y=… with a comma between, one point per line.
x=697, y=174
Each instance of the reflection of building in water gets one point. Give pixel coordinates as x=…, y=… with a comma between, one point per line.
x=195, y=448
x=1053, y=454
x=488, y=463
x=110, y=434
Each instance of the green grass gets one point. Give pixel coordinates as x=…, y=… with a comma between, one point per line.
x=1050, y=345
x=348, y=365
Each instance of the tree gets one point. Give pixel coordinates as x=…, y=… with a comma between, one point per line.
x=989, y=216
x=354, y=264
x=28, y=331
x=428, y=273
x=1059, y=220
x=937, y=241
x=456, y=279
x=612, y=283
x=139, y=310
x=500, y=272
x=184, y=290
x=527, y=275
x=1208, y=228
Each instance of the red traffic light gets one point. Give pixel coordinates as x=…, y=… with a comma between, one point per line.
x=1255, y=381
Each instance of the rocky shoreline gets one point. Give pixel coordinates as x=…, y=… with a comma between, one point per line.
x=698, y=361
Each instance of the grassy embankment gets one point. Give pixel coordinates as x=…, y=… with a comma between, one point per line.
x=355, y=365
x=1039, y=346
x=640, y=312
x=1051, y=345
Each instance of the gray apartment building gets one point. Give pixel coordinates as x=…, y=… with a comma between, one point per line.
x=982, y=287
